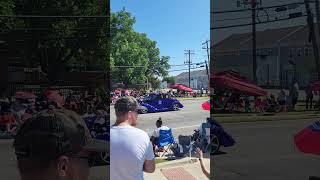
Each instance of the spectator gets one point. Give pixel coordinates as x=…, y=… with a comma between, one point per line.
x=203, y=167
x=155, y=135
x=56, y=145
x=247, y=104
x=131, y=148
x=258, y=106
x=294, y=94
x=282, y=100
x=309, y=97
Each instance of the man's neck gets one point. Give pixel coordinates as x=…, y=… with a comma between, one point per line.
x=121, y=123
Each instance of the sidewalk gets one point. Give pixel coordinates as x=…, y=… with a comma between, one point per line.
x=190, y=165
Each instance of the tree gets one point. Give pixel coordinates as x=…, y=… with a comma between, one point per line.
x=134, y=57
x=170, y=79
x=56, y=43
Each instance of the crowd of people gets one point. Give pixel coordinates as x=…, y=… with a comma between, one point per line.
x=16, y=109
x=139, y=94
x=284, y=101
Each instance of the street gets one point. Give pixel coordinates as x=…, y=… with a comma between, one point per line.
x=182, y=122
x=265, y=150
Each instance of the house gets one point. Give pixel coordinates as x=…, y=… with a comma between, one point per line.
x=198, y=79
x=282, y=54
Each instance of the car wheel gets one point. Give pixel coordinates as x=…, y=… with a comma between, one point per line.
x=175, y=107
x=214, y=146
x=144, y=111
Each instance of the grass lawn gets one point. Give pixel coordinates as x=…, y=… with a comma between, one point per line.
x=161, y=160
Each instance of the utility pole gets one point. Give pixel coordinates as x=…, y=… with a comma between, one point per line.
x=207, y=48
x=254, y=45
x=189, y=53
x=312, y=37
x=207, y=69
x=318, y=22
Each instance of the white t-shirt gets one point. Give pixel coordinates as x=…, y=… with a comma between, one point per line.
x=129, y=149
x=156, y=131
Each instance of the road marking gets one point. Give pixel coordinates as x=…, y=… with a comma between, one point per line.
x=184, y=127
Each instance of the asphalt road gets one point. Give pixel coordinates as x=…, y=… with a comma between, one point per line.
x=265, y=150
x=183, y=122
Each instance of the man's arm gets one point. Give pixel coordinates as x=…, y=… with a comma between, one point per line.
x=149, y=166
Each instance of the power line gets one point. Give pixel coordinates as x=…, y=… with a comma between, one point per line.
x=57, y=17
x=249, y=24
x=260, y=8
x=182, y=69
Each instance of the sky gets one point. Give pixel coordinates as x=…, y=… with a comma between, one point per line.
x=176, y=26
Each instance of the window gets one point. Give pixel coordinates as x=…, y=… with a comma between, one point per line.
x=299, y=53
x=307, y=51
x=291, y=52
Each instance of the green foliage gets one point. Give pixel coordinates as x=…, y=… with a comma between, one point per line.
x=56, y=43
x=130, y=48
x=170, y=80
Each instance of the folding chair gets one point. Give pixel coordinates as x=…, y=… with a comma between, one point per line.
x=165, y=141
x=186, y=143
x=205, y=136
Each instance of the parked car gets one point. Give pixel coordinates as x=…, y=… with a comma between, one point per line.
x=159, y=102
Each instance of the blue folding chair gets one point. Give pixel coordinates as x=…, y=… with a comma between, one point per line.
x=166, y=140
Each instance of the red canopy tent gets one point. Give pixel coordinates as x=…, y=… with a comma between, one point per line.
x=234, y=81
x=24, y=95
x=315, y=86
x=54, y=96
x=181, y=87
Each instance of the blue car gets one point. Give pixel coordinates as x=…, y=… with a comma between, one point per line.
x=159, y=103
x=99, y=128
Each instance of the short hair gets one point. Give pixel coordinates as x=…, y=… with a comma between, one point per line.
x=159, y=121
x=124, y=105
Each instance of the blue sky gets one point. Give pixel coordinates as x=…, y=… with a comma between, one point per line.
x=176, y=25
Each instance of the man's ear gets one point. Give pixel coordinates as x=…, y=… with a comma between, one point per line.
x=63, y=166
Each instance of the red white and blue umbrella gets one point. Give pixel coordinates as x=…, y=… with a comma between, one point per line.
x=308, y=139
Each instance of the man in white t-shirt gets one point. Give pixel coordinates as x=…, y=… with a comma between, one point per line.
x=155, y=135
x=131, y=150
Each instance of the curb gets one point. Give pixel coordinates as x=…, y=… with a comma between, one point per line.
x=178, y=162
x=266, y=120
x=188, y=99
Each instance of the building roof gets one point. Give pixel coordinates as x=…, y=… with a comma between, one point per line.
x=295, y=36
x=192, y=73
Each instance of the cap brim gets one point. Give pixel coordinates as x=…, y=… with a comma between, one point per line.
x=97, y=146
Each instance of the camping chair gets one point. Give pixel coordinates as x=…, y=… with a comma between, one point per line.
x=185, y=142
x=182, y=148
x=165, y=141
x=205, y=136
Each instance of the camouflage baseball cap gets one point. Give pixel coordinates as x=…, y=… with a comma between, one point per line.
x=52, y=133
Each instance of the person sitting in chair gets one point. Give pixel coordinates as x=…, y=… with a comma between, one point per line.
x=155, y=135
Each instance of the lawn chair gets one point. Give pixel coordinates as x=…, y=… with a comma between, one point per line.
x=205, y=136
x=166, y=140
x=182, y=148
